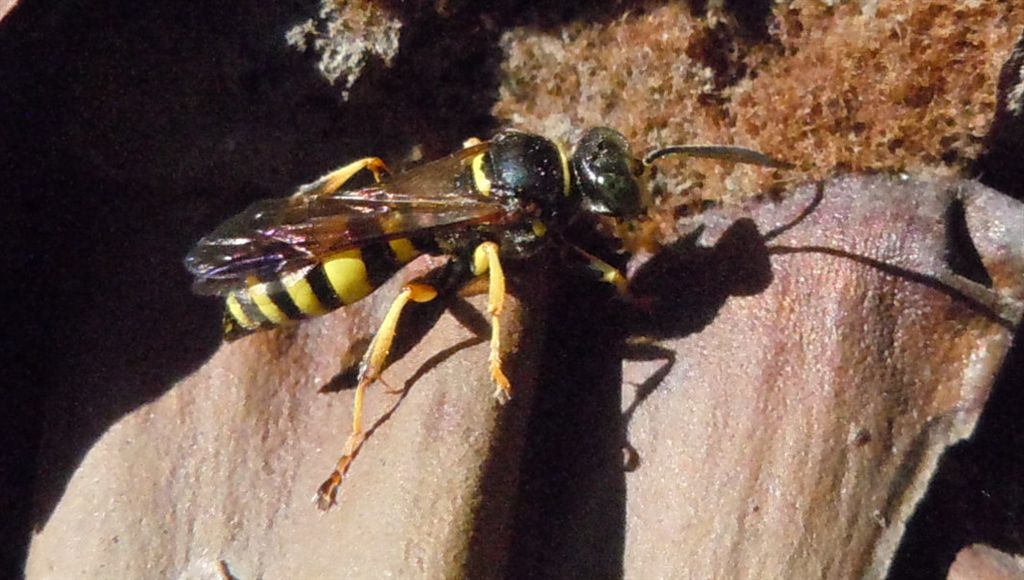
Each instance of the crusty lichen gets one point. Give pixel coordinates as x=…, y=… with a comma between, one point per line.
x=346, y=35
x=1015, y=96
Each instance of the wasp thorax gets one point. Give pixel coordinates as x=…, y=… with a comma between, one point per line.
x=529, y=168
x=603, y=166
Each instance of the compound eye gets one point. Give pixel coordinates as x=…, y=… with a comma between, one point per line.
x=605, y=174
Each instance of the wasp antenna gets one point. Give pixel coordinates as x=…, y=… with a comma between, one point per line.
x=725, y=152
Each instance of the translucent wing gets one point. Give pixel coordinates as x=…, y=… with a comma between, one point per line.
x=276, y=236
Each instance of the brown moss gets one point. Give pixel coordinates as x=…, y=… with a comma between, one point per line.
x=906, y=86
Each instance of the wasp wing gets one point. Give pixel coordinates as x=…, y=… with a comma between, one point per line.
x=284, y=235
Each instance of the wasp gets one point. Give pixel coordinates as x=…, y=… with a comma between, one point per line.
x=505, y=199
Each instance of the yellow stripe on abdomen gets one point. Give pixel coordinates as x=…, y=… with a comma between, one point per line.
x=261, y=298
x=301, y=293
x=347, y=275
x=404, y=250
x=236, y=311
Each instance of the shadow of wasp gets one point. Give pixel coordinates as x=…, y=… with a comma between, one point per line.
x=573, y=472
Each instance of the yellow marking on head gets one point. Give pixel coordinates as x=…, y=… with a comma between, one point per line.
x=258, y=293
x=483, y=185
x=539, y=228
x=347, y=275
x=403, y=249
x=236, y=312
x=302, y=295
x=566, y=176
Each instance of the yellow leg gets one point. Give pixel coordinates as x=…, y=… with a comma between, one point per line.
x=381, y=345
x=333, y=181
x=609, y=273
x=369, y=372
x=485, y=259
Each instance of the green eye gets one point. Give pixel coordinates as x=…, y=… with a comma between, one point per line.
x=603, y=166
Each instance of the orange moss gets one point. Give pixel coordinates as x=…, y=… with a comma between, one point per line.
x=910, y=86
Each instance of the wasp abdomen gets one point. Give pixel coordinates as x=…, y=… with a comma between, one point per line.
x=331, y=284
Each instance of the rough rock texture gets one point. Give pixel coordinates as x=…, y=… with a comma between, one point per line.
x=346, y=36
x=805, y=422
x=980, y=562
x=220, y=471
x=863, y=357
x=6, y=6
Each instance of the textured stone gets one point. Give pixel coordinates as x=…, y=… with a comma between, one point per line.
x=980, y=562
x=6, y=6
x=784, y=399
x=221, y=470
x=794, y=435
x=821, y=365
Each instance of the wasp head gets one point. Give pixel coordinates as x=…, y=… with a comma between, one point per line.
x=607, y=174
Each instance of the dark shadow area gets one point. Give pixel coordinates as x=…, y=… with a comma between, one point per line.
x=752, y=15
x=493, y=526
x=130, y=129
x=1000, y=167
x=682, y=288
x=570, y=520
x=547, y=14
x=963, y=257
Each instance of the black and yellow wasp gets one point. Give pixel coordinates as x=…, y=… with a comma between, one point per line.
x=325, y=246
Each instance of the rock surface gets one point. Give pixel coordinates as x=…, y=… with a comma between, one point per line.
x=826, y=351
x=795, y=433
x=220, y=471
x=980, y=562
